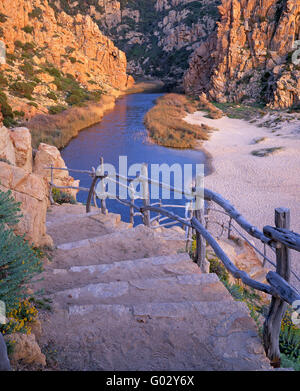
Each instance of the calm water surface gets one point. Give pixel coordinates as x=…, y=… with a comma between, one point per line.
x=122, y=133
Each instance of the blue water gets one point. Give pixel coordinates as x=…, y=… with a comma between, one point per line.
x=122, y=133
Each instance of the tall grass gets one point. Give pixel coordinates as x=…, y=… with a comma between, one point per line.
x=60, y=128
x=166, y=125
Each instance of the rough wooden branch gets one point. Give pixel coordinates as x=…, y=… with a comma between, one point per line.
x=286, y=292
x=218, y=199
x=239, y=274
x=288, y=238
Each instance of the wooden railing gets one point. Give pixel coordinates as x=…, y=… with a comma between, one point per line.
x=279, y=239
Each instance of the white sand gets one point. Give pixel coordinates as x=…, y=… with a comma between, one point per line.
x=255, y=185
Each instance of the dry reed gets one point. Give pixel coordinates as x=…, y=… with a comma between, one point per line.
x=166, y=125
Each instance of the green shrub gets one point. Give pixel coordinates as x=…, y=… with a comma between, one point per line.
x=18, y=44
x=27, y=69
x=8, y=115
x=11, y=58
x=3, y=80
x=18, y=113
x=53, y=71
x=52, y=95
x=36, y=13
x=56, y=109
x=22, y=89
x=62, y=198
x=18, y=262
x=3, y=18
x=28, y=29
x=219, y=269
x=289, y=338
x=33, y=104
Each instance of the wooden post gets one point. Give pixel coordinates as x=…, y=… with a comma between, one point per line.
x=229, y=228
x=146, y=194
x=200, y=241
x=277, y=309
x=131, y=218
x=208, y=206
x=103, y=202
x=51, y=187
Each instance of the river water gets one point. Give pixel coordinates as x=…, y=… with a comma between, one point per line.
x=122, y=133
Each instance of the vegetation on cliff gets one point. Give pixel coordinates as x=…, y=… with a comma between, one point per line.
x=157, y=36
x=48, y=65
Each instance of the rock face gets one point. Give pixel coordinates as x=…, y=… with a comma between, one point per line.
x=28, y=180
x=45, y=47
x=26, y=349
x=158, y=36
x=48, y=155
x=31, y=190
x=249, y=57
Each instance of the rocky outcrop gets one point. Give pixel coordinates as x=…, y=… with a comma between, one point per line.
x=26, y=349
x=28, y=180
x=158, y=36
x=48, y=155
x=31, y=190
x=249, y=56
x=56, y=55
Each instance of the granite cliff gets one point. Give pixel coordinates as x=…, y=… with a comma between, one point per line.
x=158, y=36
x=54, y=60
x=232, y=50
x=251, y=56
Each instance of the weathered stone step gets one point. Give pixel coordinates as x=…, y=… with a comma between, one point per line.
x=79, y=276
x=56, y=212
x=136, y=243
x=179, y=335
x=80, y=227
x=195, y=287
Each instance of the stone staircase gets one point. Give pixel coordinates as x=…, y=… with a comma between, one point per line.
x=130, y=299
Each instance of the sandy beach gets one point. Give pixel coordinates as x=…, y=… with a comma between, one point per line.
x=255, y=185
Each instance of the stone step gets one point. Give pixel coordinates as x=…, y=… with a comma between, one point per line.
x=136, y=243
x=80, y=227
x=78, y=276
x=194, y=287
x=172, y=336
x=55, y=212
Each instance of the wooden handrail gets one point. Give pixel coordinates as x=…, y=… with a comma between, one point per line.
x=284, y=236
x=280, y=238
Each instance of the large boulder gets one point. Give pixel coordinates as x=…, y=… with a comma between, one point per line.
x=26, y=349
x=31, y=190
x=7, y=151
x=48, y=155
x=4, y=361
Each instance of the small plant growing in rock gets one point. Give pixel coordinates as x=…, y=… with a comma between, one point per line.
x=36, y=13
x=56, y=109
x=62, y=198
x=28, y=29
